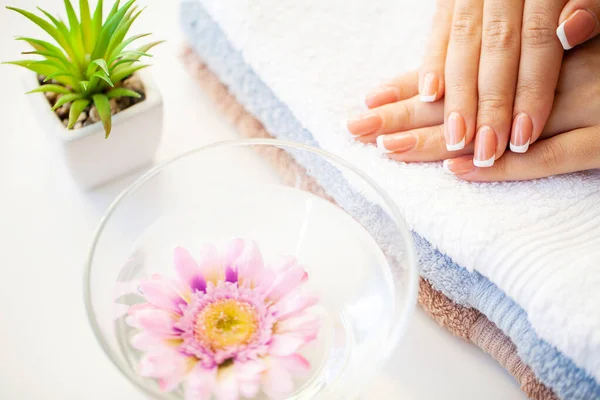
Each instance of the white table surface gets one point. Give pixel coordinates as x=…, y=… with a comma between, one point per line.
x=47, y=350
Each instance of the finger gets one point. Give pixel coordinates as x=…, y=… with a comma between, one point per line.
x=395, y=117
x=431, y=77
x=541, y=56
x=498, y=70
x=424, y=144
x=401, y=88
x=462, y=64
x=577, y=150
x=578, y=22
x=570, y=111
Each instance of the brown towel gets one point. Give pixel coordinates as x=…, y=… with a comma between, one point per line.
x=465, y=322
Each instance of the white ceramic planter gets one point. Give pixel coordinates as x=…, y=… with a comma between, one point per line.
x=94, y=160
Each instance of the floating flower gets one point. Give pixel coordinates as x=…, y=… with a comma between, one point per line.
x=228, y=327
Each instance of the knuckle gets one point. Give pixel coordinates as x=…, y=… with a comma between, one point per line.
x=465, y=28
x=537, y=30
x=551, y=155
x=456, y=88
x=500, y=35
x=397, y=116
x=530, y=89
x=493, y=101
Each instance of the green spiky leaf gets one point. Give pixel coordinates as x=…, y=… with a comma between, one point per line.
x=126, y=43
x=67, y=98
x=46, y=26
x=108, y=29
x=102, y=64
x=97, y=21
x=77, y=108
x=85, y=85
x=103, y=107
x=86, y=25
x=122, y=92
x=103, y=76
x=121, y=73
x=121, y=31
x=50, y=88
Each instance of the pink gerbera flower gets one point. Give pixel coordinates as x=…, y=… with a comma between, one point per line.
x=229, y=326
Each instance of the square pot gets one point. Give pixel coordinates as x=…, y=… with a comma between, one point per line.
x=93, y=160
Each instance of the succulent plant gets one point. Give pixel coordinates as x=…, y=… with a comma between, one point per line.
x=91, y=58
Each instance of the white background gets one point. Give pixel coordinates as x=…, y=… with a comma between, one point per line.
x=47, y=350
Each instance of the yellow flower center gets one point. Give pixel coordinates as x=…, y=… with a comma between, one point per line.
x=226, y=323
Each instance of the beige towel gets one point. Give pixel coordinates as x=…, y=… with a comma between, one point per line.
x=465, y=322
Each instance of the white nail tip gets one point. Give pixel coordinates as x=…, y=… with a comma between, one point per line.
x=380, y=145
x=519, y=149
x=428, y=99
x=485, y=163
x=560, y=32
x=457, y=146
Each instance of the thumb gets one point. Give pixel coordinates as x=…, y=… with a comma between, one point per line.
x=578, y=22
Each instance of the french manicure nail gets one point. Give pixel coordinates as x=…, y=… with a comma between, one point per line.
x=381, y=96
x=577, y=28
x=364, y=124
x=485, y=147
x=430, y=87
x=522, y=130
x=455, y=132
x=396, y=143
x=459, y=166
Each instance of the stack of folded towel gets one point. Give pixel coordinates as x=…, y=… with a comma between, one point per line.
x=528, y=292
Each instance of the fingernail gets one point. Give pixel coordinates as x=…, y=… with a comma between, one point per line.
x=521, y=134
x=459, y=166
x=455, y=132
x=365, y=124
x=577, y=28
x=381, y=96
x=485, y=147
x=430, y=87
x=396, y=143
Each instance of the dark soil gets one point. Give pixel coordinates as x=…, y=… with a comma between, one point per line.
x=90, y=115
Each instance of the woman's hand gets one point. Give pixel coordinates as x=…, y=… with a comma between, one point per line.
x=415, y=132
x=497, y=63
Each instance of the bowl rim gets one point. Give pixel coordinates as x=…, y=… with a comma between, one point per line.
x=399, y=327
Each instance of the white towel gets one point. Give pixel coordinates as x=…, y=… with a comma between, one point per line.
x=538, y=241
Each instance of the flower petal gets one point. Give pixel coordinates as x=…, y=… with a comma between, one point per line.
x=226, y=386
x=134, y=312
x=291, y=306
x=188, y=270
x=231, y=275
x=200, y=383
x=295, y=363
x=162, y=292
x=286, y=282
x=145, y=341
x=209, y=263
x=286, y=344
x=277, y=382
x=250, y=262
x=249, y=375
x=233, y=250
x=157, y=322
x=306, y=325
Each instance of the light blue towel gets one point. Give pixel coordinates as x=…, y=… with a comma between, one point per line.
x=470, y=289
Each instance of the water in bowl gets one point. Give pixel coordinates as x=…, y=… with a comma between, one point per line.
x=346, y=268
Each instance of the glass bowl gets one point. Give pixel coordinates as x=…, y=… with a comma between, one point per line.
x=356, y=248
